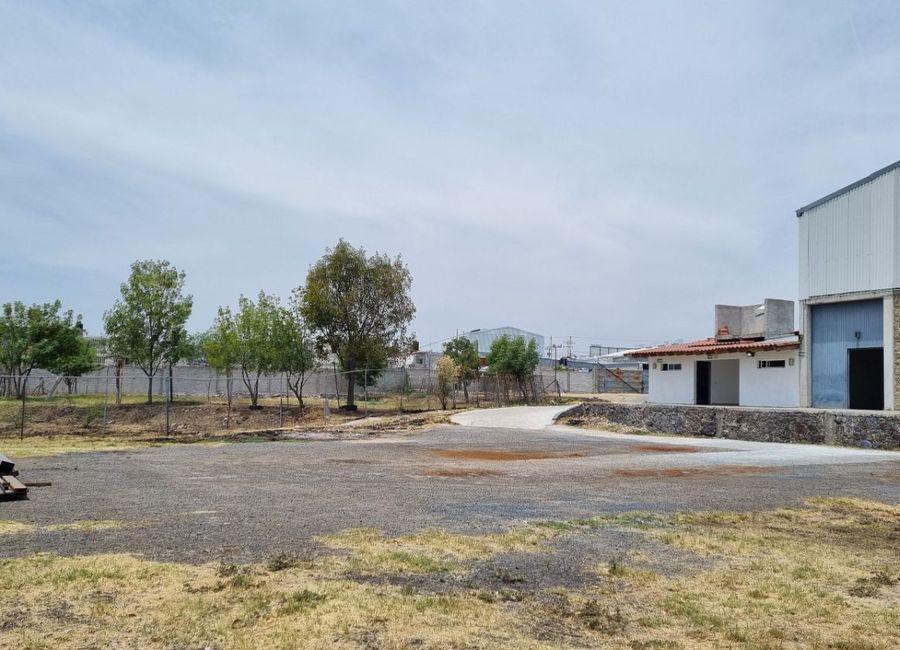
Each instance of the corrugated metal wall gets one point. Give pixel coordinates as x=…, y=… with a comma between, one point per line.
x=484, y=338
x=849, y=243
x=832, y=334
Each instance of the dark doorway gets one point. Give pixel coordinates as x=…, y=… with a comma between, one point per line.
x=866, y=378
x=703, y=382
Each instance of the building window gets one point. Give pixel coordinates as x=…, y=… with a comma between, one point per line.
x=670, y=366
x=771, y=363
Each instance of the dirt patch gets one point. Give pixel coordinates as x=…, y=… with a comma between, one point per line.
x=668, y=448
x=689, y=472
x=461, y=473
x=350, y=461
x=493, y=454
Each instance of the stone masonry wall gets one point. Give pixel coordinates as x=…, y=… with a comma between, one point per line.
x=763, y=425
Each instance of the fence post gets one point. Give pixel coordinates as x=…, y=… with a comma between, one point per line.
x=22, y=424
x=105, y=398
x=228, y=383
x=366, y=389
x=325, y=409
x=166, y=378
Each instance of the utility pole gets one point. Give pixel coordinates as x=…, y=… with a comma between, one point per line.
x=552, y=350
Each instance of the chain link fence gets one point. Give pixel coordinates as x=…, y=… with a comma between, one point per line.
x=195, y=400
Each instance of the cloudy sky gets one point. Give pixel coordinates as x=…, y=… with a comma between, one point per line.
x=600, y=170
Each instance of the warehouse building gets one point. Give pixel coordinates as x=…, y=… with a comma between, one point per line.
x=849, y=289
x=484, y=338
x=751, y=360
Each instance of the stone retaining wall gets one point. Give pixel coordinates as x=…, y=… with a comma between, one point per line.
x=763, y=425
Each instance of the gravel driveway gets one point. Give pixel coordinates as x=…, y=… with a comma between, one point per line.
x=249, y=501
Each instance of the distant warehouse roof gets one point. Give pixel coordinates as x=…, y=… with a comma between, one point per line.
x=712, y=346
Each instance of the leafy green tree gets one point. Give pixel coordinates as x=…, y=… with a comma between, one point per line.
x=257, y=325
x=358, y=307
x=296, y=350
x=514, y=359
x=220, y=348
x=38, y=336
x=81, y=360
x=147, y=324
x=447, y=376
x=465, y=354
x=182, y=347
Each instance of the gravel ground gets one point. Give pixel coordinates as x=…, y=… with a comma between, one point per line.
x=249, y=501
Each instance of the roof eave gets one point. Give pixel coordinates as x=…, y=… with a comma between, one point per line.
x=852, y=186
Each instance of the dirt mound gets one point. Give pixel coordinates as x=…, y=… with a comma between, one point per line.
x=690, y=472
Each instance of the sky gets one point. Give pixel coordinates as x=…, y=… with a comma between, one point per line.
x=605, y=171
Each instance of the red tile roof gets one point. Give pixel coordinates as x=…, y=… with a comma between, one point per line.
x=712, y=346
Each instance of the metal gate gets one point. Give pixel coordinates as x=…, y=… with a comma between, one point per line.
x=835, y=329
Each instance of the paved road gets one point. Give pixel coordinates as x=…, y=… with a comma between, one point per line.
x=717, y=451
x=511, y=417
x=249, y=501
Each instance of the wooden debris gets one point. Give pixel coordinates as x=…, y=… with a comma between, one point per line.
x=13, y=483
x=10, y=486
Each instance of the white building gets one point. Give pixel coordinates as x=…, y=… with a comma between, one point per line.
x=850, y=295
x=752, y=361
x=484, y=338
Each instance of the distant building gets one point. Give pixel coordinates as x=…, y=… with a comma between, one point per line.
x=850, y=295
x=751, y=360
x=484, y=338
x=424, y=359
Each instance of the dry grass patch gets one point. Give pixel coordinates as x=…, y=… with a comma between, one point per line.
x=431, y=550
x=31, y=446
x=88, y=525
x=825, y=575
x=10, y=527
x=123, y=601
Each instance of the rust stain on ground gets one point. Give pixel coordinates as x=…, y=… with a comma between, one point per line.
x=493, y=454
x=685, y=449
x=689, y=472
x=461, y=473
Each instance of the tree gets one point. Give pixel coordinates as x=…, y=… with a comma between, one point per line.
x=81, y=360
x=36, y=337
x=257, y=326
x=146, y=325
x=295, y=350
x=447, y=376
x=182, y=347
x=220, y=347
x=359, y=307
x=513, y=359
x=465, y=354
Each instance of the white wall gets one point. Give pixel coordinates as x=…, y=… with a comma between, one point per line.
x=779, y=387
x=849, y=243
x=672, y=386
x=770, y=386
x=724, y=381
